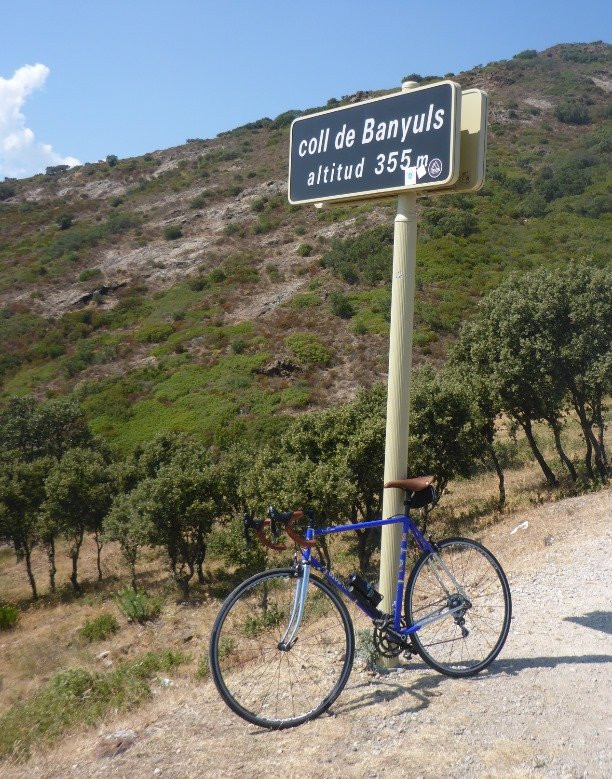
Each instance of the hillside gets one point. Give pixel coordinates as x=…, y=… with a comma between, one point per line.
x=539, y=711
x=164, y=289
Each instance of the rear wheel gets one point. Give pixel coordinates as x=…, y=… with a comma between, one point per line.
x=276, y=687
x=464, y=576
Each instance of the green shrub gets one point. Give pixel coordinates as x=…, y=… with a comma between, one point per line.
x=199, y=201
x=365, y=257
x=527, y=54
x=265, y=224
x=239, y=267
x=89, y=273
x=259, y=204
x=234, y=191
x=203, y=669
x=534, y=205
x=273, y=272
x=308, y=349
x=9, y=617
x=112, y=160
x=365, y=651
x=99, y=628
x=305, y=300
x=442, y=222
x=198, y=284
x=572, y=113
x=304, y=250
x=88, y=235
x=6, y=190
x=341, y=306
x=172, y=232
x=64, y=221
x=138, y=606
x=231, y=229
x=594, y=206
x=154, y=333
x=226, y=646
x=79, y=697
x=217, y=275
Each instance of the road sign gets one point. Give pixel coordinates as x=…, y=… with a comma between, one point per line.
x=408, y=141
x=473, y=143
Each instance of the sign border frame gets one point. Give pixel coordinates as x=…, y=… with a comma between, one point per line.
x=484, y=134
x=383, y=193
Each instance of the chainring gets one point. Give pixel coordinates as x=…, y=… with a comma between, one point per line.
x=384, y=645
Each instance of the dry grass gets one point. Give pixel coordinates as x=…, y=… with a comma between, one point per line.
x=47, y=638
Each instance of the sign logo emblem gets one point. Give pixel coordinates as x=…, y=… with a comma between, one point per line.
x=434, y=168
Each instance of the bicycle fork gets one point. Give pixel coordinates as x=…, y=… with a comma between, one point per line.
x=289, y=637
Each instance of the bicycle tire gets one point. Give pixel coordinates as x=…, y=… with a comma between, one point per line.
x=487, y=621
x=247, y=665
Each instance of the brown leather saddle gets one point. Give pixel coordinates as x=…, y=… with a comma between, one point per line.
x=415, y=484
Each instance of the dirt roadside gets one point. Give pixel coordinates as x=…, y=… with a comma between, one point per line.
x=543, y=709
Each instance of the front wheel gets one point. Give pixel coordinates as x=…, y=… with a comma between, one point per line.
x=257, y=675
x=465, y=578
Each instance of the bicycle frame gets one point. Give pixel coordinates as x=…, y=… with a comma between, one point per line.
x=408, y=527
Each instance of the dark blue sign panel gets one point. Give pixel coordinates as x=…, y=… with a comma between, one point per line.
x=405, y=141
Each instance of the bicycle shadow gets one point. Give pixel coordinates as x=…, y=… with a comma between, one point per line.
x=596, y=620
x=512, y=667
x=424, y=689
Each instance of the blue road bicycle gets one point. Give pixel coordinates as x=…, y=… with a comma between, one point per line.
x=283, y=643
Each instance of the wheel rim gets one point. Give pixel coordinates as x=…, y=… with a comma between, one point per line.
x=470, y=641
x=264, y=683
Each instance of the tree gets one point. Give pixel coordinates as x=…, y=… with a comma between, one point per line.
x=78, y=497
x=33, y=429
x=330, y=462
x=540, y=339
x=21, y=495
x=180, y=492
x=129, y=525
x=485, y=410
x=578, y=300
x=445, y=437
x=507, y=346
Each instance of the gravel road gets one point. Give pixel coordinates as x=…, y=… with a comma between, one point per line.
x=542, y=709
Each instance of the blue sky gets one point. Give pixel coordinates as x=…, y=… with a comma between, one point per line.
x=129, y=76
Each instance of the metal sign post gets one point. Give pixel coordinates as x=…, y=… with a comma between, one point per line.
x=398, y=384
x=408, y=142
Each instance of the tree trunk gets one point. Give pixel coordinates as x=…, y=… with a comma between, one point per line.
x=500, y=475
x=601, y=429
x=565, y=460
x=592, y=446
x=27, y=552
x=74, y=575
x=183, y=584
x=550, y=476
x=200, y=562
x=74, y=556
x=323, y=549
x=133, y=576
x=51, y=558
x=363, y=555
x=99, y=545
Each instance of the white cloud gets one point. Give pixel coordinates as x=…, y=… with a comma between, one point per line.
x=20, y=153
